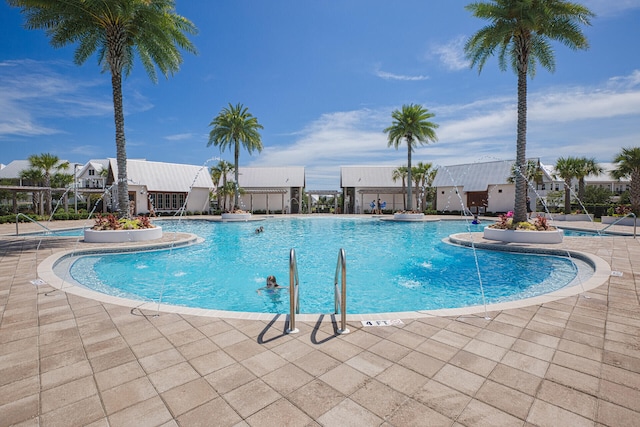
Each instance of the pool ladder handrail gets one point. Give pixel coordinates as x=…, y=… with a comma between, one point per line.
x=294, y=284
x=635, y=220
x=340, y=294
x=32, y=220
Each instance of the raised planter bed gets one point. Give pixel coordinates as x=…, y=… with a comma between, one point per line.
x=236, y=216
x=570, y=217
x=408, y=216
x=120, y=236
x=523, y=236
x=623, y=221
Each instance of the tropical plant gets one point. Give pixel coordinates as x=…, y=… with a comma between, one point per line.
x=421, y=174
x=628, y=166
x=401, y=173
x=520, y=31
x=585, y=167
x=412, y=125
x=116, y=29
x=34, y=177
x=47, y=163
x=566, y=168
x=233, y=126
x=532, y=172
x=596, y=195
x=221, y=172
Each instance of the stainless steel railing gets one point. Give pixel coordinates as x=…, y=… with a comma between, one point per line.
x=340, y=294
x=635, y=220
x=294, y=282
x=30, y=219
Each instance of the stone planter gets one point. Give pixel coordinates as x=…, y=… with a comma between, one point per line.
x=523, y=236
x=571, y=217
x=236, y=216
x=120, y=236
x=623, y=220
x=408, y=216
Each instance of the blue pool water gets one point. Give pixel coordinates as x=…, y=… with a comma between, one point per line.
x=390, y=267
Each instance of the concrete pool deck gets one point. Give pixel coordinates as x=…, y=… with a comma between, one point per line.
x=69, y=360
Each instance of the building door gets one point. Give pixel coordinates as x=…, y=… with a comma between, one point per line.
x=477, y=201
x=295, y=197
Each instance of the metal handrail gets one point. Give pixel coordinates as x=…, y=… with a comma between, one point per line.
x=635, y=220
x=30, y=219
x=340, y=295
x=294, y=283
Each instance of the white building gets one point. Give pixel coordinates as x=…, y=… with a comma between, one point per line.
x=156, y=187
x=270, y=189
x=364, y=185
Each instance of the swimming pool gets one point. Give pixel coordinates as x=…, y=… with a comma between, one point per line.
x=390, y=267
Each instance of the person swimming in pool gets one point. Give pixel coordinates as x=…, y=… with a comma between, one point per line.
x=272, y=285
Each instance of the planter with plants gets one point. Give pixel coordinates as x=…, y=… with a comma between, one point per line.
x=236, y=215
x=523, y=232
x=408, y=216
x=110, y=229
x=621, y=215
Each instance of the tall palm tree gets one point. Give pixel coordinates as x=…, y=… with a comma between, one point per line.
x=566, y=168
x=411, y=124
x=235, y=125
x=585, y=167
x=116, y=29
x=47, y=164
x=220, y=172
x=628, y=165
x=401, y=173
x=520, y=30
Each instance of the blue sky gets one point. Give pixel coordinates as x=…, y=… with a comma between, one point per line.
x=323, y=79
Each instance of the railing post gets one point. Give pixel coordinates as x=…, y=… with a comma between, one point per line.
x=294, y=308
x=340, y=297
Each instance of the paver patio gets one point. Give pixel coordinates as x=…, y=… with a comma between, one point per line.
x=67, y=360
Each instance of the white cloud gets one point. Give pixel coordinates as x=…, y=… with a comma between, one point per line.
x=611, y=7
x=179, y=137
x=451, y=54
x=390, y=76
x=597, y=121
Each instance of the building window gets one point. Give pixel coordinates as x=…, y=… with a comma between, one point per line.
x=92, y=172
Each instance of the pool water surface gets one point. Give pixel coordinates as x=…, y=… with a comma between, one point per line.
x=391, y=267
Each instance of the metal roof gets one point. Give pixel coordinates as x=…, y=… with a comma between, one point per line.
x=270, y=177
x=13, y=169
x=368, y=176
x=159, y=176
x=474, y=176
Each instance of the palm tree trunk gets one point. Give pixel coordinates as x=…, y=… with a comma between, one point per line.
x=634, y=191
x=236, y=158
x=47, y=194
x=409, y=201
x=567, y=196
x=121, y=151
x=404, y=196
x=520, y=205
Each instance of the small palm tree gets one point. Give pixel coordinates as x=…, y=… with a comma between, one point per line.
x=220, y=172
x=585, y=167
x=235, y=125
x=116, y=29
x=520, y=30
x=401, y=173
x=34, y=177
x=47, y=164
x=566, y=168
x=412, y=125
x=628, y=166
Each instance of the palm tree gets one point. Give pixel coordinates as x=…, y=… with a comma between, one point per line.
x=584, y=168
x=401, y=173
x=566, y=169
x=628, y=165
x=47, y=163
x=116, y=29
x=218, y=172
x=234, y=126
x=411, y=124
x=521, y=30
x=34, y=177
x=420, y=174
